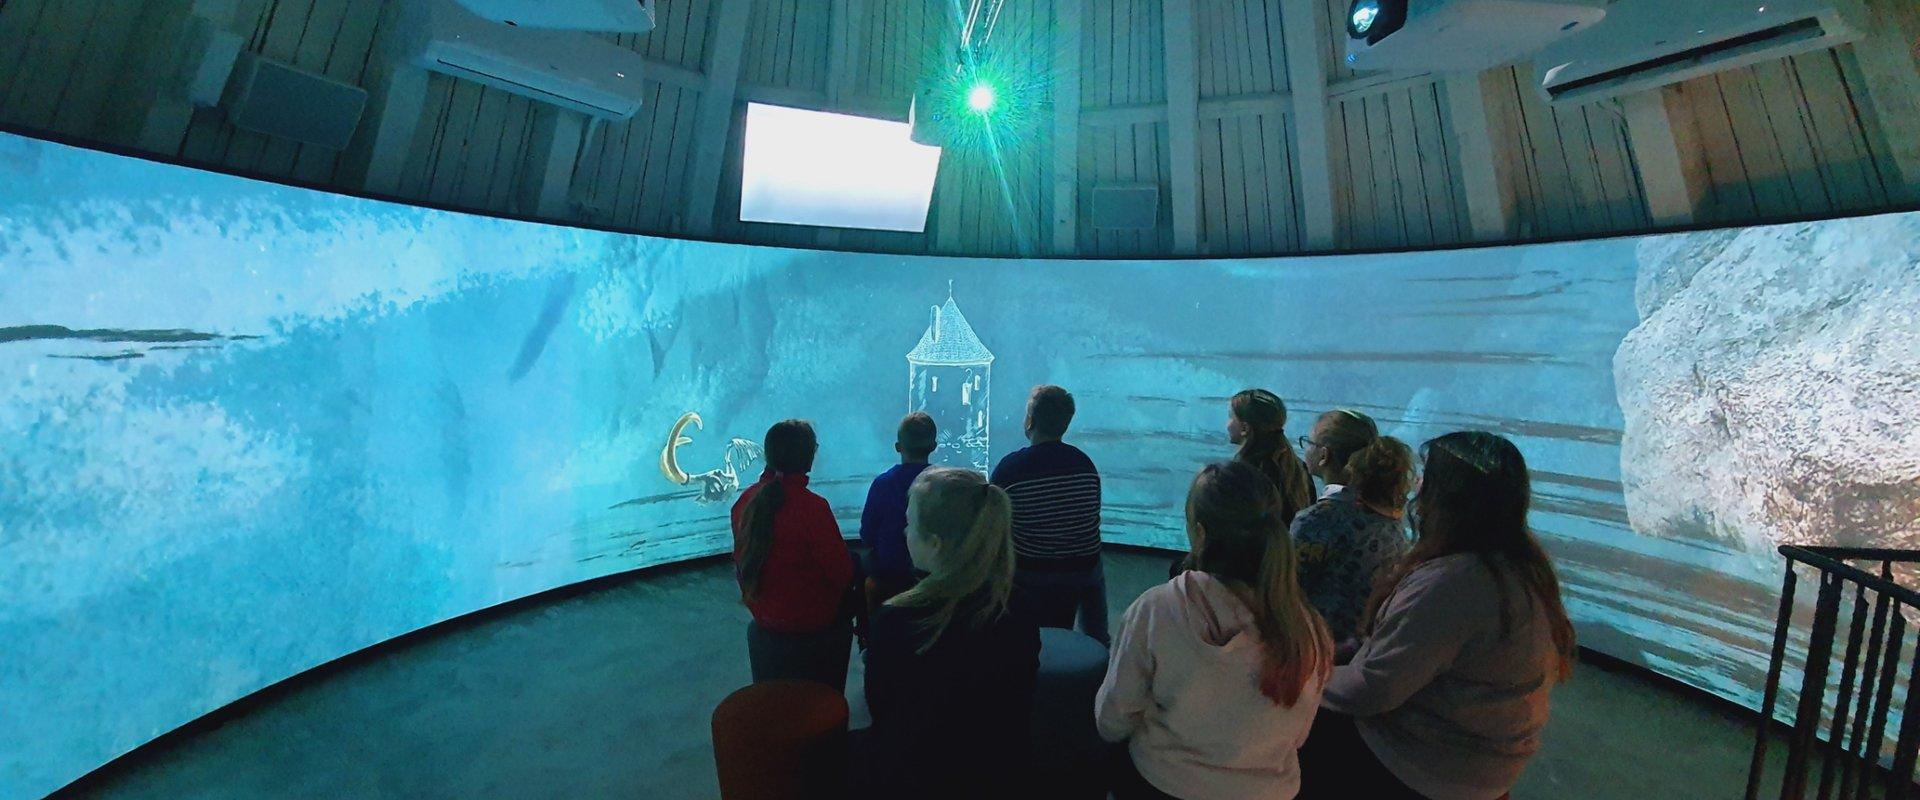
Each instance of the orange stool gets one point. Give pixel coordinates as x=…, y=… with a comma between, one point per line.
x=781, y=740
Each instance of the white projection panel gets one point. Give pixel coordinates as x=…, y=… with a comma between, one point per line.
x=833, y=170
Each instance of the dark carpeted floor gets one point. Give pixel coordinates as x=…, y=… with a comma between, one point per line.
x=608, y=694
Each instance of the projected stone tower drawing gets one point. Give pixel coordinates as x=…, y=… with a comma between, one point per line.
x=950, y=376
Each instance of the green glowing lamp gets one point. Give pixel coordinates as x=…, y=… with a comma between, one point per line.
x=981, y=98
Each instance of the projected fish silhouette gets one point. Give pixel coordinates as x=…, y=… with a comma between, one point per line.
x=714, y=485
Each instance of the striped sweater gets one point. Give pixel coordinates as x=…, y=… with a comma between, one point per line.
x=1056, y=506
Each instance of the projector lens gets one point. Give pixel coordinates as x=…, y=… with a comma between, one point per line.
x=1361, y=17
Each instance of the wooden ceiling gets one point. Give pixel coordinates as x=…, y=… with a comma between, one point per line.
x=1255, y=135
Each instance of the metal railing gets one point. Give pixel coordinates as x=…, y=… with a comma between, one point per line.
x=1875, y=672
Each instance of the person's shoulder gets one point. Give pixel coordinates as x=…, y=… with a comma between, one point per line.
x=1076, y=456
x=1460, y=577
x=1012, y=465
x=892, y=625
x=811, y=500
x=891, y=476
x=1318, y=510
x=1015, y=458
x=1166, y=597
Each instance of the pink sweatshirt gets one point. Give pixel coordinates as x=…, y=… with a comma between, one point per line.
x=1183, y=690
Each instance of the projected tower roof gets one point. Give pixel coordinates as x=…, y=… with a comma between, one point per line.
x=949, y=340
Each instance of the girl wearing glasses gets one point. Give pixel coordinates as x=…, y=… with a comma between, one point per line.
x=1356, y=528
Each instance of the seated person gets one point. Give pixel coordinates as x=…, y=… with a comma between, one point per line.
x=1216, y=674
x=883, y=522
x=1357, y=528
x=952, y=662
x=794, y=569
x=1447, y=696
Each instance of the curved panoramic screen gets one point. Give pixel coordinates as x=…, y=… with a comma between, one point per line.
x=249, y=428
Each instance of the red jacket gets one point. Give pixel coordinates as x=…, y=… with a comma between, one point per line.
x=807, y=573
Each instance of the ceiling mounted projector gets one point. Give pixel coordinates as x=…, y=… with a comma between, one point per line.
x=1445, y=35
x=620, y=16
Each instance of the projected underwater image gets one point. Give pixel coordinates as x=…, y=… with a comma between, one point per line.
x=250, y=428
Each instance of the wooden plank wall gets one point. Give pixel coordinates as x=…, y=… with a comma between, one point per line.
x=786, y=45
x=1123, y=64
x=1792, y=137
x=1570, y=169
x=1785, y=138
x=1246, y=159
x=1396, y=180
x=60, y=61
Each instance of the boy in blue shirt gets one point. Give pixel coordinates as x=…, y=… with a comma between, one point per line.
x=883, y=523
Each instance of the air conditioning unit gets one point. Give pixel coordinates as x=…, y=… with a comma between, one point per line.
x=1462, y=35
x=569, y=69
x=1645, y=44
x=620, y=16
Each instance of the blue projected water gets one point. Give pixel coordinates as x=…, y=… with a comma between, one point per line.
x=248, y=428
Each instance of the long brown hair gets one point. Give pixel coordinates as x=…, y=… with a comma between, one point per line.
x=1267, y=449
x=972, y=521
x=790, y=446
x=1379, y=469
x=1473, y=498
x=1233, y=522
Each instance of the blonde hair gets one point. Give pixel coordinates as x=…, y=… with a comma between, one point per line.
x=972, y=521
x=1233, y=522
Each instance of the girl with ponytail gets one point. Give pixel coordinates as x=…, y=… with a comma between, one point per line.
x=1216, y=674
x=1356, y=529
x=793, y=567
x=951, y=662
x=1257, y=422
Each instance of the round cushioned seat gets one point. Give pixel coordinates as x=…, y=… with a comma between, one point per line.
x=1067, y=751
x=781, y=740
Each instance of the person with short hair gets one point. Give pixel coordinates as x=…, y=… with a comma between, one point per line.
x=794, y=569
x=1056, y=519
x=1465, y=637
x=1357, y=528
x=952, y=662
x=883, y=521
x=1216, y=674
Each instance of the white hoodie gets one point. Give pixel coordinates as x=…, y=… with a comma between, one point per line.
x=1183, y=690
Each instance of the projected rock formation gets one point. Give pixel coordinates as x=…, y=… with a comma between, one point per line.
x=1772, y=388
x=950, y=376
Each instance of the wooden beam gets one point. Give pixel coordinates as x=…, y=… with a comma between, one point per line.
x=1183, y=122
x=1250, y=104
x=1129, y=114
x=1303, y=31
x=551, y=156
x=712, y=128
x=396, y=95
x=1489, y=207
x=168, y=112
x=1379, y=83
x=676, y=75
x=1887, y=61
x=1668, y=157
x=1066, y=125
x=1245, y=105
x=844, y=47
x=858, y=105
